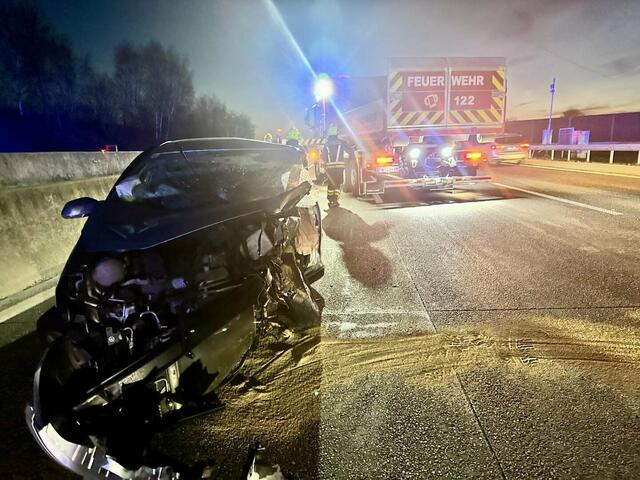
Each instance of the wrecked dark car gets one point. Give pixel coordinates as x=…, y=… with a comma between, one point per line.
x=199, y=246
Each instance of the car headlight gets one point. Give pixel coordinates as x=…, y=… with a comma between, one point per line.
x=414, y=153
x=446, y=151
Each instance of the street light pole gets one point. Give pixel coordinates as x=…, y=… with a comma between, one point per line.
x=552, y=91
x=324, y=117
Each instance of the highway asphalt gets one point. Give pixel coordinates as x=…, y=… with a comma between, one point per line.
x=488, y=333
x=498, y=330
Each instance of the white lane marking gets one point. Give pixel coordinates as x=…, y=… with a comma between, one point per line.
x=26, y=304
x=326, y=311
x=609, y=174
x=559, y=199
x=377, y=198
x=346, y=326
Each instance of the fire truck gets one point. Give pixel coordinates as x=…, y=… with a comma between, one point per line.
x=423, y=124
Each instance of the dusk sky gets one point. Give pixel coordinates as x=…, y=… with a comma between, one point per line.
x=238, y=52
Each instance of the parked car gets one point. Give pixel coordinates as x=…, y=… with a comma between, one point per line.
x=506, y=147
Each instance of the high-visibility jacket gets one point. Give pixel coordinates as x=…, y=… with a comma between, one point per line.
x=334, y=154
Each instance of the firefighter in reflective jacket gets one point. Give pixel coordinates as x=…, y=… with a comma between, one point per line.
x=333, y=156
x=293, y=137
x=293, y=140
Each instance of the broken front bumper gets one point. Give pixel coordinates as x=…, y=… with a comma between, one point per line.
x=88, y=462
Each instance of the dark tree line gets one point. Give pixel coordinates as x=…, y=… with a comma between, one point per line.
x=51, y=99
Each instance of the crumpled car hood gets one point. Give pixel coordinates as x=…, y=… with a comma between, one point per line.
x=115, y=225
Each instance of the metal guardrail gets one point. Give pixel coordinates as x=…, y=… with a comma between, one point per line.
x=589, y=147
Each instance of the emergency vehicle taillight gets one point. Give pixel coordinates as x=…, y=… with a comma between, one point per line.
x=382, y=160
x=524, y=146
x=473, y=155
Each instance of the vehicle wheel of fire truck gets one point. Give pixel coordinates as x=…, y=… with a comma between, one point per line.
x=347, y=185
x=352, y=179
x=318, y=174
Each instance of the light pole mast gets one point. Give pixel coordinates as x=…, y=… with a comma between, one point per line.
x=552, y=91
x=324, y=116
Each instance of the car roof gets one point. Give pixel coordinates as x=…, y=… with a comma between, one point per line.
x=202, y=144
x=217, y=143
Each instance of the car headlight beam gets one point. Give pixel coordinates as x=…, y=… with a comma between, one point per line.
x=446, y=151
x=414, y=153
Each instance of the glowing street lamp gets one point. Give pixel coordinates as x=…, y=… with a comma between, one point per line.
x=323, y=90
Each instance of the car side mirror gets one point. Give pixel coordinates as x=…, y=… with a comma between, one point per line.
x=78, y=208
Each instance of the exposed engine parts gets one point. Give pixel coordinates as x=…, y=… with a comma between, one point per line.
x=140, y=339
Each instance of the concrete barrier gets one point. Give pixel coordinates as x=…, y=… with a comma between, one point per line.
x=24, y=169
x=35, y=240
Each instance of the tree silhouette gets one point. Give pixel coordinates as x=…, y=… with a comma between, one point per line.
x=572, y=112
x=155, y=85
x=37, y=67
x=51, y=99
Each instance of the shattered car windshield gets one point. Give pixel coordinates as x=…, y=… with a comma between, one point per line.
x=185, y=179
